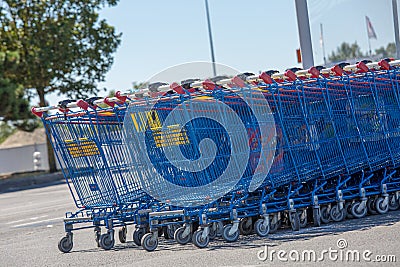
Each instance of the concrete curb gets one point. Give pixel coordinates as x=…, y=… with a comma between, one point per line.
x=24, y=182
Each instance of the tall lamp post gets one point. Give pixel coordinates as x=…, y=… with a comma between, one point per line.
x=211, y=40
x=396, y=28
x=303, y=25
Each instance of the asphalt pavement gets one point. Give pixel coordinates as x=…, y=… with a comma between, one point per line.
x=31, y=226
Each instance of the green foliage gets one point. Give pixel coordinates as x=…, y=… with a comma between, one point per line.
x=346, y=51
x=5, y=131
x=63, y=45
x=389, y=51
x=352, y=51
x=110, y=94
x=13, y=105
x=139, y=85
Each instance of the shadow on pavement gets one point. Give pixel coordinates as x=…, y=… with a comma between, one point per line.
x=30, y=181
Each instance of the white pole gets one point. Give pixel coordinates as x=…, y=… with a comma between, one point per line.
x=210, y=39
x=396, y=28
x=303, y=25
x=322, y=44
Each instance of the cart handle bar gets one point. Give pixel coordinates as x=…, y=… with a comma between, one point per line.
x=289, y=75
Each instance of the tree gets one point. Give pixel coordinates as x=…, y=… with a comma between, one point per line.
x=346, y=51
x=139, y=85
x=389, y=51
x=63, y=45
x=13, y=105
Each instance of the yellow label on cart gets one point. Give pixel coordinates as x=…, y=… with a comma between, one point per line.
x=142, y=119
x=82, y=148
x=173, y=136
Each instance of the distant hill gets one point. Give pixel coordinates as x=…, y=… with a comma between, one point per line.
x=21, y=138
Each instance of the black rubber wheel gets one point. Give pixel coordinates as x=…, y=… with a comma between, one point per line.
x=97, y=234
x=380, y=205
x=337, y=214
x=179, y=238
x=213, y=232
x=165, y=232
x=371, y=206
x=294, y=221
x=137, y=236
x=170, y=231
x=316, y=217
x=159, y=231
x=303, y=218
x=106, y=241
x=394, y=203
x=148, y=243
x=65, y=244
x=347, y=207
x=260, y=229
x=358, y=213
x=229, y=237
x=274, y=226
x=122, y=234
x=198, y=240
x=246, y=226
x=220, y=228
x=325, y=216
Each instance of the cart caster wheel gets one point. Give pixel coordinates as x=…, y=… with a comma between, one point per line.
x=170, y=230
x=137, y=236
x=198, y=240
x=294, y=221
x=213, y=233
x=122, y=234
x=358, y=213
x=65, y=244
x=325, y=216
x=229, y=237
x=316, y=217
x=394, y=203
x=246, y=226
x=214, y=229
x=371, y=206
x=97, y=234
x=178, y=236
x=337, y=214
x=303, y=218
x=159, y=231
x=380, y=205
x=220, y=229
x=274, y=226
x=347, y=207
x=260, y=229
x=107, y=241
x=149, y=243
x=165, y=232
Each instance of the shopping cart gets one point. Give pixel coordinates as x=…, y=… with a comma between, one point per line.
x=89, y=147
x=231, y=156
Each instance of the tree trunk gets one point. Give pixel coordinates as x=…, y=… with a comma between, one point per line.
x=50, y=151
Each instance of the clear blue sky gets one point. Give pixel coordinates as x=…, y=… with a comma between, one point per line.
x=248, y=35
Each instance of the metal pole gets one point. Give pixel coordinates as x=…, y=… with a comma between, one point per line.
x=322, y=44
x=396, y=28
x=303, y=25
x=369, y=46
x=211, y=40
